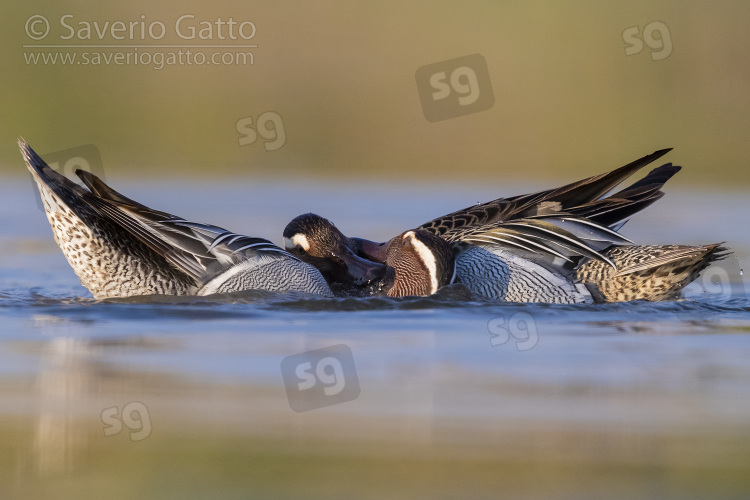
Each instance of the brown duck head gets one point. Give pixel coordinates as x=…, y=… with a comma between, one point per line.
x=317, y=241
x=422, y=262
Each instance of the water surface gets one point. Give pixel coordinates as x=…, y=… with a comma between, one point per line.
x=456, y=399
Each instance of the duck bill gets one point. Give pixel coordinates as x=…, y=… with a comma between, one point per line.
x=362, y=271
x=370, y=249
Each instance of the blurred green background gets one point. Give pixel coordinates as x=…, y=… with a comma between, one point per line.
x=568, y=100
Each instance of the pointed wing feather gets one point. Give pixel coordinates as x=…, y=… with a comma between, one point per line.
x=192, y=247
x=630, y=200
x=588, y=190
x=507, y=238
x=594, y=187
x=546, y=235
x=587, y=230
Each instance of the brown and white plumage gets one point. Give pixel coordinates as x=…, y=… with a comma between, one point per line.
x=555, y=245
x=422, y=263
x=119, y=247
x=648, y=272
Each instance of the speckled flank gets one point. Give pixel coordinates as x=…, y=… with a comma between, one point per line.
x=276, y=275
x=644, y=272
x=108, y=263
x=493, y=273
x=120, y=248
x=659, y=272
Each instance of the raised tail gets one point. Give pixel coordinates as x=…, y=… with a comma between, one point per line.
x=648, y=272
x=57, y=191
x=109, y=260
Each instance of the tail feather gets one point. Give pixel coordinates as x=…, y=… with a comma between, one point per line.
x=96, y=245
x=52, y=182
x=693, y=259
x=653, y=272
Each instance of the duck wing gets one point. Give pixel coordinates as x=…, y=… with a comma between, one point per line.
x=560, y=200
x=199, y=250
x=623, y=204
x=545, y=238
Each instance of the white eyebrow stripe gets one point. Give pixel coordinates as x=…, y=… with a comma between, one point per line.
x=427, y=257
x=300, y=240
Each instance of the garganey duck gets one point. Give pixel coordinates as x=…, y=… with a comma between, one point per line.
x=120, y=248
x=559, y=246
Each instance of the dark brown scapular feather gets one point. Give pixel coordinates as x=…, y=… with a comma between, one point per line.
x=450, y=226
x=629, y=201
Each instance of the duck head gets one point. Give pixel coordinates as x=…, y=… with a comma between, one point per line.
x=415, y=262
x=317, y=241
x=422, y=262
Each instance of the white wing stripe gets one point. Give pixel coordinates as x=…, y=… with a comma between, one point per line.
x=270, y=247
x=219, y=239
x=595, y=225
x=234, y=239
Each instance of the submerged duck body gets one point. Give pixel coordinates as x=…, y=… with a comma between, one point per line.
x=121, y=248
x=319, y=243
x=497, y=273
x=647, y=272
x=638, y=272
x=557, y=246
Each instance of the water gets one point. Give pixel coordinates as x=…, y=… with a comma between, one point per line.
x=429, y=398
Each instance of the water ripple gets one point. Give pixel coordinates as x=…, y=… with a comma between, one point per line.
x=254, y=304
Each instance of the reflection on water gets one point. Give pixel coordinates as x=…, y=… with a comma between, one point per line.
x=186, y=397
x=63, y=383
x=68, y=391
